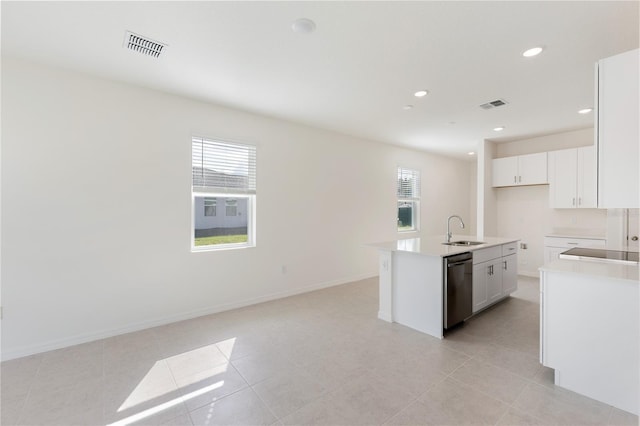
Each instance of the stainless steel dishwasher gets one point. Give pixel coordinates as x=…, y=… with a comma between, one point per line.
x=458, y=291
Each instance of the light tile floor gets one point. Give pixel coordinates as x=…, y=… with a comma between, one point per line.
x=317, y=358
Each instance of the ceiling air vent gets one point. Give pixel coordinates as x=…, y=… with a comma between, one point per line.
x=144, y=45
x=493, y=104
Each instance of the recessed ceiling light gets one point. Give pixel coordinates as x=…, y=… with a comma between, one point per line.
x=532, y=52
x=407, y=107
x=471, y=153
x=421, y=93
x=303, y=26
x=498, y=129
x=585, y=111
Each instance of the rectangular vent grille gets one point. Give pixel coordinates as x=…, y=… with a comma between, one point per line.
x=493, y=104
x=144, y=45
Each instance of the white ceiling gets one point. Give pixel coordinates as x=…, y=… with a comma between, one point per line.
x=358, y=69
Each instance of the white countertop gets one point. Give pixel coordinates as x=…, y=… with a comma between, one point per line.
x=432, y=245
x=594, y=268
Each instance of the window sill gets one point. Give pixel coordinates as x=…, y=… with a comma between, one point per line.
x=225, y=247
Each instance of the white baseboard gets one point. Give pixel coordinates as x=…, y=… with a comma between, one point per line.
x=384, y=316
x=90, y=337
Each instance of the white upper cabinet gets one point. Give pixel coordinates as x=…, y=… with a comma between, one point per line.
x=505, y=171
x=617, y=132
x=528, y=169
x=563, y=173
x=587, y=177
x=572, y=178
x=532, y=169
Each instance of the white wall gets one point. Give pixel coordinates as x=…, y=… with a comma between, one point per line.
x=83, y=254
x=485, y=198
x=564, y=140
x=523, y=212
x=473, y=199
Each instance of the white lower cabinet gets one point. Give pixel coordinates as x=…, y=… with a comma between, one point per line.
x=590, y=333
x=495, y=274
x=509, y=274
x=494, y=281
x=480, y=278
x=553, y=246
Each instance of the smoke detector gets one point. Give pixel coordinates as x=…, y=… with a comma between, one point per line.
x=493, y=104
x=142, y=44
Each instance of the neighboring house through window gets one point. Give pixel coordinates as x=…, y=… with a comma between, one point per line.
x=408, y=199
x=223, y=174
x=209, y=206
x=231, y=207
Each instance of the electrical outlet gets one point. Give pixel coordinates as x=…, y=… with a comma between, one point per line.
x=283, y=269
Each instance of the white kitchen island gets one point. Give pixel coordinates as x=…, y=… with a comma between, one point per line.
x=589, y=329
x=412, y=271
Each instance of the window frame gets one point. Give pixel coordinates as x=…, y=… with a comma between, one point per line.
x=415, y=199
x=251, y=221
x=226, y=193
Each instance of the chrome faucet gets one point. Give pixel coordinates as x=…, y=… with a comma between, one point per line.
x=449, y=226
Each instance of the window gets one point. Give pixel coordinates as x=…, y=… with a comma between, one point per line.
x=223, y=174
x=408, y=199
x=209, y=206
x=231, y=207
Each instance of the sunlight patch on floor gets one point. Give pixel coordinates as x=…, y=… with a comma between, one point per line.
x=155, y=384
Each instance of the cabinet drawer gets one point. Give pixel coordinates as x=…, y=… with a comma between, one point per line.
x=486, y=254
x=573, y=242
x=511, y=248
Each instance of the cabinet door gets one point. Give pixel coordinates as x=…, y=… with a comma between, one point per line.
x=587, y=178
x=505, y=171
x=494, y=280
x=617, y=131
x=480, y=275
x=532, y=169
x=563, y=184
x=509, y=274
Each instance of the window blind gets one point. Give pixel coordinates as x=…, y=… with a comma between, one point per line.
x=408, y=184
x=226, y=167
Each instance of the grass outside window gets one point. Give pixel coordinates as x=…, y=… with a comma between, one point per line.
x=220, y=239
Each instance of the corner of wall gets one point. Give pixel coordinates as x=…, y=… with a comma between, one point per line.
x=486, y=201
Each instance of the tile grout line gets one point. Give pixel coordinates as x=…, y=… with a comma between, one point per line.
x=539, y=385
x=278, y=419
x=327, y=392
x=508, y=404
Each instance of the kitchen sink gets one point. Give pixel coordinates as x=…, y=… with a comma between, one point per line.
x=464, y=243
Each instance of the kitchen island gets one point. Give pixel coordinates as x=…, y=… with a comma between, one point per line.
x=589, y=329
x=412, y=275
